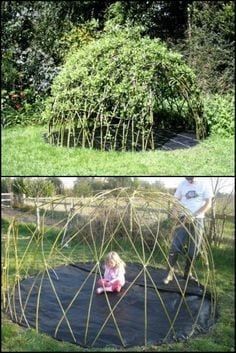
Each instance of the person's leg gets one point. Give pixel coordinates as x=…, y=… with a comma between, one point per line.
x=176, y=248
x=116, y=286
x=104, y=285
x=194, y=243
x=173, y=256
x=100, y=290
x=103, y=282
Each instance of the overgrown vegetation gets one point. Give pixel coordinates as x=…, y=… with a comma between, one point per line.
x=37, y=37
x=216, y=18
x=220, y=114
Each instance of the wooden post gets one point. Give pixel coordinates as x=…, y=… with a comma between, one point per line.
x=130, y=213
x=212, y=228
x=11, y=199
x=63, y=240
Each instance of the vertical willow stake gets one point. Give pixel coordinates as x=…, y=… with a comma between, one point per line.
x=123, y=137
x=68, y=137
x=101, y=133
x=132, y=134
x=6, y=262
x=38, y=227
x=130, y=219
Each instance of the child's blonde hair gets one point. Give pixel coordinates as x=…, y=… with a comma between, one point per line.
x=113, y=256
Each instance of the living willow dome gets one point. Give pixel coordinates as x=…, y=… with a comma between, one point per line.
x=118, y=91
x=49, y=278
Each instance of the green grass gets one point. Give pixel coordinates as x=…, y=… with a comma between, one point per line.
x=24, y=152
x=219, y=339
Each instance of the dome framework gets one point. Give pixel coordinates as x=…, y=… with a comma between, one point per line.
x=52, y=278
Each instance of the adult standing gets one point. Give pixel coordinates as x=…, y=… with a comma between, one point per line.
x=195, y=196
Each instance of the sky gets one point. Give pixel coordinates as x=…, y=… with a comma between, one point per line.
x=226, y=183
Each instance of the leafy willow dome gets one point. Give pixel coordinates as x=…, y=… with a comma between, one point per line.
x=114, y=92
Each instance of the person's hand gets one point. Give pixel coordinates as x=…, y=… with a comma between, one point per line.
x=173, y=218
x=183, y=219
x=195, y=214
x=174, y=215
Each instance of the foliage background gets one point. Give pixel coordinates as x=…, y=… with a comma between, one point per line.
x=38, y=35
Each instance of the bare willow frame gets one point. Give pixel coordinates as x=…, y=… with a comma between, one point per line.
x=135, y=213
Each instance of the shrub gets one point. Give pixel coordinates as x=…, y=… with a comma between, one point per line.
x=18, y=109
x=78, y=36
x=219, y=114
x=83, y=188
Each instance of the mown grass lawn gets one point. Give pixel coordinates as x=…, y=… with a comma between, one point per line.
x=219, y=339
x=24, y=152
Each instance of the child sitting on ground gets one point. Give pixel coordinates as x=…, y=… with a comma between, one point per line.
x=114, y=275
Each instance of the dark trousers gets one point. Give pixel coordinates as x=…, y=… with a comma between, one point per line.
x=187, y=241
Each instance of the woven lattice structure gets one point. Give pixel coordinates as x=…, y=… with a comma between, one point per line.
x=39, y=292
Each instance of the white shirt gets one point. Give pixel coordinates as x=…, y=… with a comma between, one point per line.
x=193, y=195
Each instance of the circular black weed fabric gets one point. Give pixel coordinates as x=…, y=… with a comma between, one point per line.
x=146, y=314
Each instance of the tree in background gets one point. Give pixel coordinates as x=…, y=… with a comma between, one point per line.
x=156, y=186
x=117, y=182
x=184, y=25
x=18, y=189
x=37, y=34
x=163, y=19
x=222, y=206
x=82, y=187
x=88, y=186
x=31, y=39
x=210, y=35
x=6, y=185
x=58, y=184
x=41, y=188
x=31, y=187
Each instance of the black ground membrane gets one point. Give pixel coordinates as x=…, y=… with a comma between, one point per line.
x=164, y=139
x=89, y=311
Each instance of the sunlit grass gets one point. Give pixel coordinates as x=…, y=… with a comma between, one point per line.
x=25, y=152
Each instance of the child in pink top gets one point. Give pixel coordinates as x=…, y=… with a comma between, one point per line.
x=114, y=275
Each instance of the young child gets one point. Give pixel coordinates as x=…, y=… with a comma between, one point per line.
x=114, y=275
